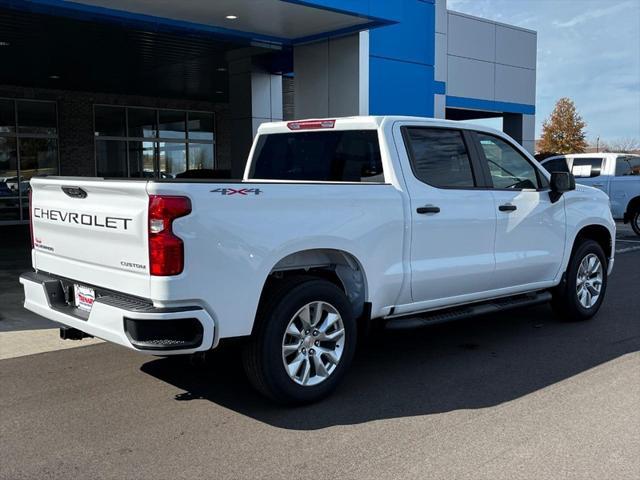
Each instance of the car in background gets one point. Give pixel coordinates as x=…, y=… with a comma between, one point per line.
x=616, y=174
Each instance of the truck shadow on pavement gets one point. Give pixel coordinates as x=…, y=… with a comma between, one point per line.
x=465, y=365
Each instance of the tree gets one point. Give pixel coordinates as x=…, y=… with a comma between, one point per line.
x=624, y=145
x=563, y=131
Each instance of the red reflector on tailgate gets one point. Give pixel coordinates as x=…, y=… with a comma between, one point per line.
x=311, y=124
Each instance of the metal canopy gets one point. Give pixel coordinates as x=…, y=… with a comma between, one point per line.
x=281, y=22
x=38, y=50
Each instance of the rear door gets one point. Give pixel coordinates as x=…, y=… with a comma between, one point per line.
x=92, y=231
x=625, y=185
x=530, y=233
x=590, y=171
x=453, y=219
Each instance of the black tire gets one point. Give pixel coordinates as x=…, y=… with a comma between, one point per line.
x=565, y=301
x=634, y=220
x=262, y=355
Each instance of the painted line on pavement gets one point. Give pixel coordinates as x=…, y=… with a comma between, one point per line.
x=628, y=249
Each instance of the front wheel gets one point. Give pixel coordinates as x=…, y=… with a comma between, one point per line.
x=582, y=293
x=635, y=221
x=304, y=342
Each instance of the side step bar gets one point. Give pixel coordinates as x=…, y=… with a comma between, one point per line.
x=467, y=311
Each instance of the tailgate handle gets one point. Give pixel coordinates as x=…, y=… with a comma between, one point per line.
x=75, y=192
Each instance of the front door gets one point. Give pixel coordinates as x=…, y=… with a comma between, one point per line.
x=530, y=233
x=453, y=221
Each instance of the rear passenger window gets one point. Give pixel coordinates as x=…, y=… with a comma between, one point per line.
x=586, y=167
x=439, y=157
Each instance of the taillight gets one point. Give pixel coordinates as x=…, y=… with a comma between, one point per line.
x=311, y=124
x=31, y=217
x=166, y=250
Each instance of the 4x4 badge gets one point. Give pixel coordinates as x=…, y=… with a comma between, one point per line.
x=237, y=191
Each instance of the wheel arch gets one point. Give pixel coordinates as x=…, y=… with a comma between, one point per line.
x=338, y=266
x=632, y=206
x=598, y=233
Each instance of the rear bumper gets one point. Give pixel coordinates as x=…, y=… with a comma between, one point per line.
x=127, y=321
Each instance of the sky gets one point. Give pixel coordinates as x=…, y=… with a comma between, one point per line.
x=588, y=50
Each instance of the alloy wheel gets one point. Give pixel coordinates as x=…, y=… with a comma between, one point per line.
x=313, y=343
x=589, y=281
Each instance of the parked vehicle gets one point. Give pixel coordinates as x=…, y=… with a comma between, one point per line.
x=616, y=174
x=335, y=223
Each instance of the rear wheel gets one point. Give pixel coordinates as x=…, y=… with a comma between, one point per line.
x=635, y=220
x=582, y=293
x=304, y=342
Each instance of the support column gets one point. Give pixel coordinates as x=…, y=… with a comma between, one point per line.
x=255, y=97
x=332, y=77
x=521, y=128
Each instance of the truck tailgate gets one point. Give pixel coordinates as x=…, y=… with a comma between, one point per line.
x=92, y=231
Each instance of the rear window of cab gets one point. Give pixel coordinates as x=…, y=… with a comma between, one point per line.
x=322, y=156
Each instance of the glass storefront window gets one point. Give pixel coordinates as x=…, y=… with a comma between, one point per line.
x=111, y=158
x=200, y=156
x=172, y=159
x=141, y=159
x=37, y=117
x=172, y=124
x=142, y=122
x=9, y=183
x=110, y=121
x=8, y=158
x=28, y=147
x=201, y=126
x=7, y=116
x=38, y=156
x=157, y=143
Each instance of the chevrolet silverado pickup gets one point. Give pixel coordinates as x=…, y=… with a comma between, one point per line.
x=336, y=223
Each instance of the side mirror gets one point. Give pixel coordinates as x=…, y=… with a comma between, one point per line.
x=561, y=182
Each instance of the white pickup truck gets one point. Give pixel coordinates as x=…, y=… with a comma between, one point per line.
x=336, y=223
x=616, y=174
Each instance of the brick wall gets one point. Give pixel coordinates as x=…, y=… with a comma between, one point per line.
x=75, y=122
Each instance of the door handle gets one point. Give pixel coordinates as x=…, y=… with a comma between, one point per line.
x=598, y=185
x=507, y=207
x=428, y=209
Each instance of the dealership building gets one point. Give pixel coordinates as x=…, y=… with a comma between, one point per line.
x=141, y=88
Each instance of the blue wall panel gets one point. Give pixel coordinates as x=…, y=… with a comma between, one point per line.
x=401, y=62
x=400, y=88
x=411, y=40
x=490, y=105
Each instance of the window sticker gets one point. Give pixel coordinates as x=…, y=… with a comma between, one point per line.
x=581, y=170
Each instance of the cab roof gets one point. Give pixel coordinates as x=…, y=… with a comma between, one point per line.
x=369, y=122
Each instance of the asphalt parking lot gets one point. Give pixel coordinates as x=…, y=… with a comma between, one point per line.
x=516, y=395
